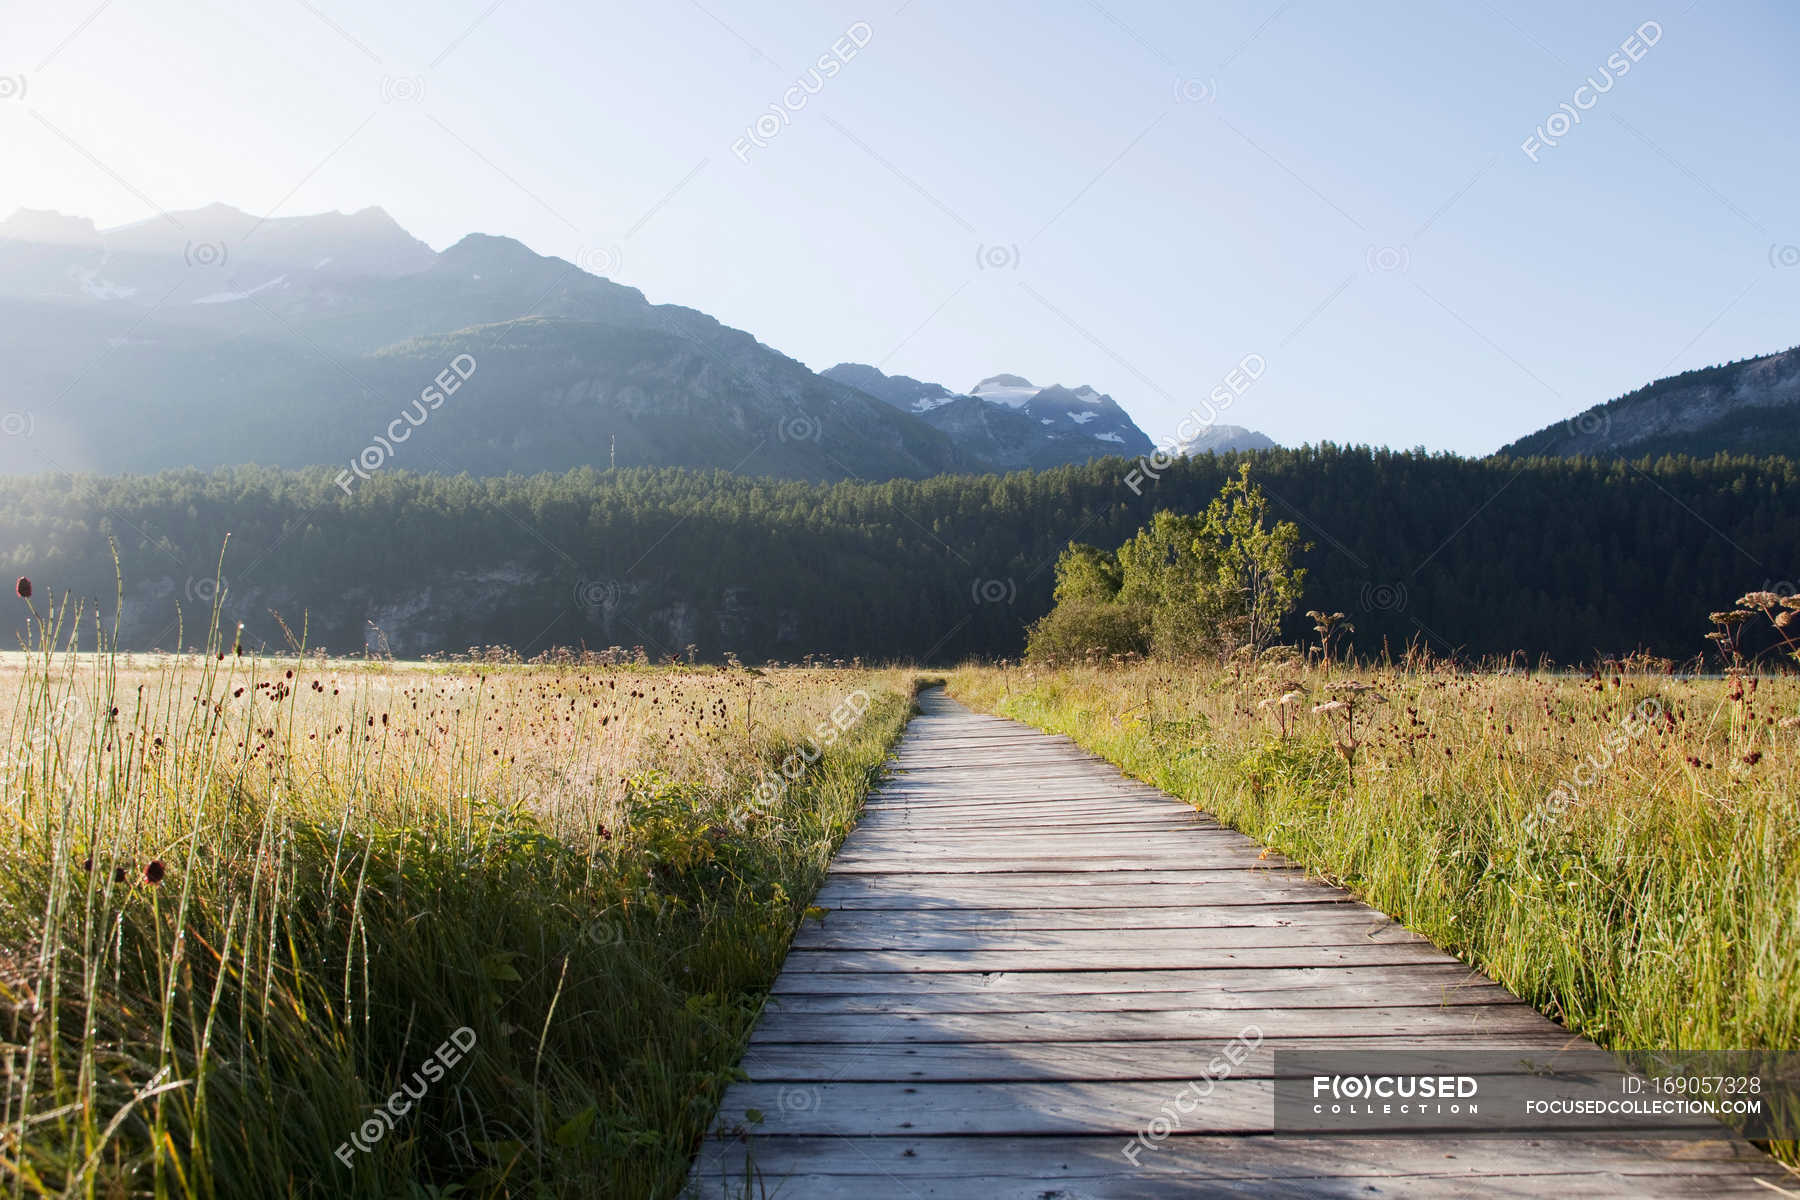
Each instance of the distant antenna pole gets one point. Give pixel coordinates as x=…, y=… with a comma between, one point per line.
x=612, y=454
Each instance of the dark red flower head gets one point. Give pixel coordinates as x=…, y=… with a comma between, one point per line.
x=153, y=871
x=23, y=587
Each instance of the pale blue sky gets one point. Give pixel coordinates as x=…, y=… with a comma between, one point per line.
x=1184, y=184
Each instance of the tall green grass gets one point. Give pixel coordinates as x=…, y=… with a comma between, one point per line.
x=351, y=864
x=1655, y=907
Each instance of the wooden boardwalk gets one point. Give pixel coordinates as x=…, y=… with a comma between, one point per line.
x=1028, y=957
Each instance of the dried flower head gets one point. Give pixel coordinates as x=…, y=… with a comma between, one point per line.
x=23, y=587
x=154, y=871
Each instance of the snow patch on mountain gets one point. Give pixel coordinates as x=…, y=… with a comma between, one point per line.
x=231, y=297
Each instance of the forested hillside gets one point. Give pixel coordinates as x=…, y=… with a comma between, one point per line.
x=1564, y=557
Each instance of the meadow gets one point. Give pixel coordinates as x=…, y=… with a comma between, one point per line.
x=317, y=927
x=1621, y=849
x=298, y=925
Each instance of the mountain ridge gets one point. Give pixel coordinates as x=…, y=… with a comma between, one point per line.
x=141, y=350
x=1007, y=420
x=1748, y=406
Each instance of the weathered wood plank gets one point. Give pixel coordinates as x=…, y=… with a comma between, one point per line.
x=976, y=891
x=1497, y=1020
x=1325, y=909
x=1029, y=983
x=1035, y=1109
x=1350, y=929
x=999, y=1062
x=920, y=876
x=1392, y=986
x=1170, y=868
x=1173, y=957
x=1188, y=1166
x=1426, y=993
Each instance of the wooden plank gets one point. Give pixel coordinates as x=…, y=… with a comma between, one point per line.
x=1168, y=847
x=1281, y=991
x=1185, y=834
x=921, y=876
x=1349, y=929
x=1188, y=1166
x=1173, y=868
x=1325, y=910
x=904, y=1109
x=1034, y=1109
x=998, y=1062
x=1174, y=957
x=947, y=892
x=878, y=823
x=1427, y=995
x=1111, y=981
x=860, y=1029
x=1020, y=815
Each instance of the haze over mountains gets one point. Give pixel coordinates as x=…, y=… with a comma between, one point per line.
x=210, y=337
x=207, y=337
